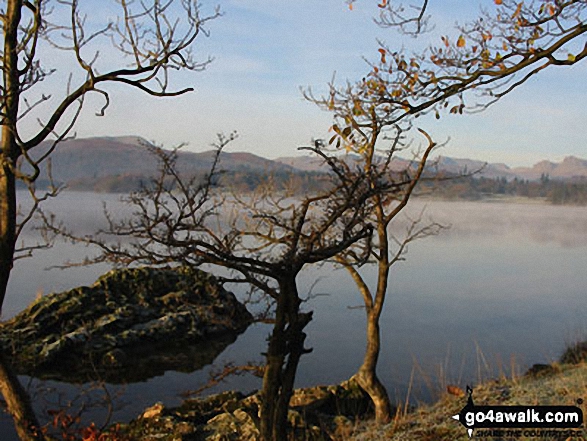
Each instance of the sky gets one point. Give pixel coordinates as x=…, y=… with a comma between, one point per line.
x=265, y=51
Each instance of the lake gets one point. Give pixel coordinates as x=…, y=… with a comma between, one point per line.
x=503, y=288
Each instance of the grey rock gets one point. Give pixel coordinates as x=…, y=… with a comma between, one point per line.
x=233, y=416
x=128, y=309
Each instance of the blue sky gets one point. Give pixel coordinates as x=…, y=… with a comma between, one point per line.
x=266, y=50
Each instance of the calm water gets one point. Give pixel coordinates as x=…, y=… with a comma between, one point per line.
x=506, y=284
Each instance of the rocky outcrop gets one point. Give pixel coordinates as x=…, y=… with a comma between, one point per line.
x=127, y=317
x=317, y=413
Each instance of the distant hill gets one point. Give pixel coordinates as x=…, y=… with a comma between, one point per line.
x=100, y=157
x=83, y=163
x=571, y=167
x=120, y=163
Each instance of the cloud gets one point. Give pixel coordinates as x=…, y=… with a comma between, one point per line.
x=266, y=50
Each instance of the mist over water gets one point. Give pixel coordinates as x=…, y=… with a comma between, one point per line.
x=505, y=284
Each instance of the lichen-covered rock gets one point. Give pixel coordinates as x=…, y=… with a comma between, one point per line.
x=317, y=413
x=124, y=313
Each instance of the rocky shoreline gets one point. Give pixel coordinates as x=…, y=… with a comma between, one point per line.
x=316, y=413
x=344, y=412
x=162, y=318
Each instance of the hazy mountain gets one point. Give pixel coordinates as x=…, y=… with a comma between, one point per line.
x=83, y=163
x=570, y=167
x=94, y=158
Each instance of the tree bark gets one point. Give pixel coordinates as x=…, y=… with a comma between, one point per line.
x=366, y=376
x=18, y=404
x=9, y=152
x=7, y=226
x=17, y=400
x=272, y=380
x=286, y=346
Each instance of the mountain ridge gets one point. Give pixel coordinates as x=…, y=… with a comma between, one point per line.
x=101, y=157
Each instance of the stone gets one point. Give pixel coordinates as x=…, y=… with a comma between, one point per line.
x=541, y=370
x=121, y=316
x=311, y=398
x=153, y=411
x=233, y=416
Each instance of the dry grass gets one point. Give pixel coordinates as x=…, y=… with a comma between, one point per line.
x=563, y=386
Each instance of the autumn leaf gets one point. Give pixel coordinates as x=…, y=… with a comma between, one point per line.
x=571, y=58
x=518, y=10
x=455, y=390
x=551, y=10
x=498, y=2
x=461, y=41
x=383, y=4
x=382, y=52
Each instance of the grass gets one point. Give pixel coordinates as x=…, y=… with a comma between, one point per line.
x=558, y=384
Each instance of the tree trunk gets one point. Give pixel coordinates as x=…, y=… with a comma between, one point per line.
x=272, y=380
x=286, y=346
x=8, y=148
x=366, y=376
x=18, y=404
x=17, y=400
x=7, y=226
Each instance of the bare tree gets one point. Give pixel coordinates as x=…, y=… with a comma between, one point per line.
x=375, y=146
x=491, y=57
x=150, y=39
x=388, y=247
x=265, y=239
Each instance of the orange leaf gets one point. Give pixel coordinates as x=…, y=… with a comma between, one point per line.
x=461, y=41
x=351, y=6
x=383, y=4
x=551, y=10
x=382, y=52
x=455, y=390
x=518, y=10
x=498, y=2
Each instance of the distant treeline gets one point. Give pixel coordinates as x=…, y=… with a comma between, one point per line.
x=447, y=187
x=239, y=181
x=555, y=191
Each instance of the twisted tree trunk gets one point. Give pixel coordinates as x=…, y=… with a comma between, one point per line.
x=286, y=346
x=366, y=376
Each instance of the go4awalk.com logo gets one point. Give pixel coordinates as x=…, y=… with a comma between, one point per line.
x=518, y=417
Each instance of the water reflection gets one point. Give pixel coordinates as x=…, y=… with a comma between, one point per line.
x=505, y=285
x=135, y=364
